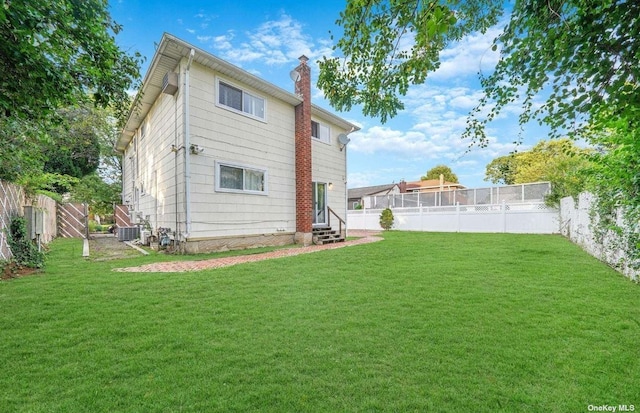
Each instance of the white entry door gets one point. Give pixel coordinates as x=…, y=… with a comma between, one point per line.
x=319, y=203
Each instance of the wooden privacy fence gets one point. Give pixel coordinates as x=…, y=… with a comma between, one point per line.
x=122, y=218
x=72, y=220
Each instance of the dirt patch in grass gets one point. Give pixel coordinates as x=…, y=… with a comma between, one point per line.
x=104, y=247
x=12, y=270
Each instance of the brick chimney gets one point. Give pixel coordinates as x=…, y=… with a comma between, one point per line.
x=304, y=199
x=402, y=186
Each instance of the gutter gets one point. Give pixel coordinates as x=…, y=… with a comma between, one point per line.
x=185, y=148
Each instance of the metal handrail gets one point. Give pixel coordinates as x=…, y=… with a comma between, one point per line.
x=342, y=221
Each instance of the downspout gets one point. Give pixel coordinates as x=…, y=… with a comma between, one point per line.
x=346, y=195
x=185, y=149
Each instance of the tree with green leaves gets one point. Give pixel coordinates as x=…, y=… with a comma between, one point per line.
x=386, y=219
x=75, y=142
x=558, y=161
x=578, y=56
x=389, y=45
x=100, y=195
x=583, y=53
x=436, y=171
x=614, y=180
x=52, y=53
x=502, y=170
x=58, y=60
x=77, y=145
x=20, y=151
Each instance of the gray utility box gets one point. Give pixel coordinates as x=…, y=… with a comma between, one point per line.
x=128, y=233
x=35, y=221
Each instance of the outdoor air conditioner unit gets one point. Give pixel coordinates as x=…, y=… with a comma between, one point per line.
x=128, y=233
x=170, y=83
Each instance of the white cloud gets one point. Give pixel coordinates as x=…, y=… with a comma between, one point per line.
x=468, y=57
x=377, y=176
x=222, y=42
x=274, y=42
x=205, y=19
x=409, y=145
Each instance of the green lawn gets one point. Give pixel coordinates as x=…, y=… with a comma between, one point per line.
x=418, y=322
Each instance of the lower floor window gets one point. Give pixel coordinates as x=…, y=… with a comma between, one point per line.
x=237, y=178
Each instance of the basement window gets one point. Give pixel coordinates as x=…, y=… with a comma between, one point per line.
x=241, y=179
x=239, y=100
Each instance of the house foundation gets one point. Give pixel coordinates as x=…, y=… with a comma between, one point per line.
x=303, y=238
x=200, y=245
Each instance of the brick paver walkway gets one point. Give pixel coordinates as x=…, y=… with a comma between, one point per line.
x=183, y=266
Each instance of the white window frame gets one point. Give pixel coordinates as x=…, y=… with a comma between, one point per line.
x=248, y=99
x=322, y=127
x=220, y=188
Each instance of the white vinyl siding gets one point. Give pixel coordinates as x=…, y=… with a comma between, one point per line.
x=241, y=101
x=329, y=165
x=238, y=178
x=239, y=140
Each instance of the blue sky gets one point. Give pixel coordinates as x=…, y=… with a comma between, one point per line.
x=266, y=39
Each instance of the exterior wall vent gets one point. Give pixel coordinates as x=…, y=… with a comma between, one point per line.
x=170, y=83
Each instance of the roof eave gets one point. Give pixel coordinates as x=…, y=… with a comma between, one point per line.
x=169, y=53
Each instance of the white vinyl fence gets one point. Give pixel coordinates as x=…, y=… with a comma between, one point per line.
x=512, y=209
x=576, y=224
x=525, y=218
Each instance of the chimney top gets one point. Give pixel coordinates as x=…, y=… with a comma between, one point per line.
x=303, y=59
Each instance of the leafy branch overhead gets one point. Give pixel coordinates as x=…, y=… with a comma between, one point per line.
x=57, y=53
x=65, y=85
x=579, y=53
x=582, y=54
x=390, y=45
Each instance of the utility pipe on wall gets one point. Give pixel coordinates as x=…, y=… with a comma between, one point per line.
x=185, y=149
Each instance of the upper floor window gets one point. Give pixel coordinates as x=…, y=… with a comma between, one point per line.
x=320, y=132
x=240, y=100
x=143, y=130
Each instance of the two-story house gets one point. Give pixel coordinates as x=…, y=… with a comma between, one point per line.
x=227, y=160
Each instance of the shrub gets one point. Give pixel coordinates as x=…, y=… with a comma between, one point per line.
x=25, y=252
x=386, y=219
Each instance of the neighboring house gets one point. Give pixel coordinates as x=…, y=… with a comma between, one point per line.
x=436, y=188
x=433, y=185
x=359, y=197
x=228, y=160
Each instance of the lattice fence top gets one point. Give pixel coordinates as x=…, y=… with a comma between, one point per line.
x=525, y=193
